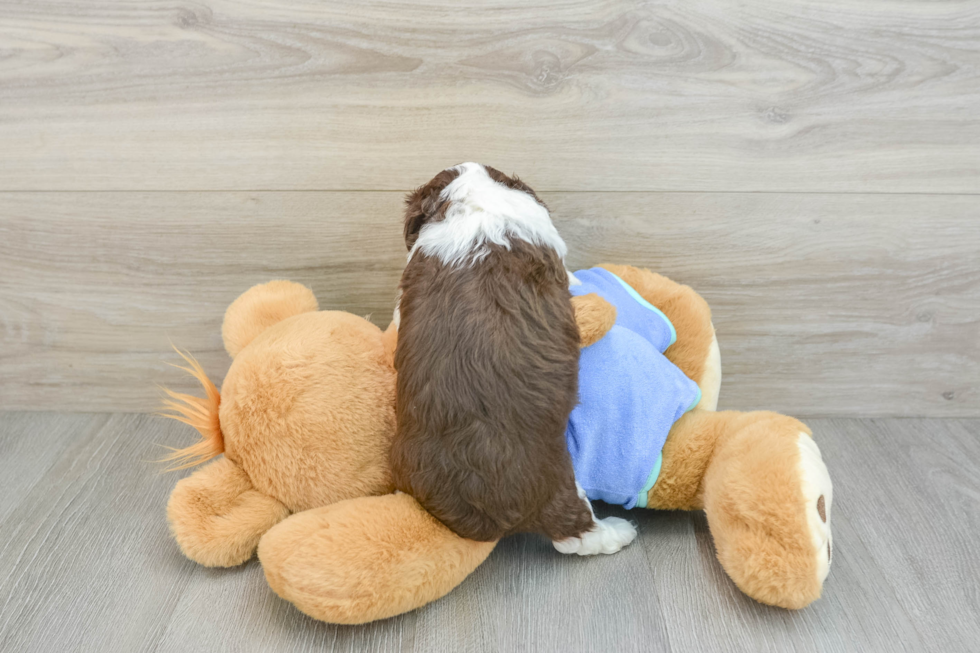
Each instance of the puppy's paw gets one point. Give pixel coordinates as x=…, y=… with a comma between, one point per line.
x=607, y=536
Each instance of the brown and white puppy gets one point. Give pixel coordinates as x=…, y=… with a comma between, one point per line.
x=487, y=362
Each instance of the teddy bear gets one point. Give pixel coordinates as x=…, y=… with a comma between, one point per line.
x=303, y=425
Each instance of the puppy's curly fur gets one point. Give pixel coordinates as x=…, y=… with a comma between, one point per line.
x=487, y=362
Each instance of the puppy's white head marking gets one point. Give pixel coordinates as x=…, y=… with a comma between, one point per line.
x=484, y=212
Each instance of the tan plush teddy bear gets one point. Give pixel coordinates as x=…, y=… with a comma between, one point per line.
x=305, y=418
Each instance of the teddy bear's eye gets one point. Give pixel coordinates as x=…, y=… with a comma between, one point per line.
x=821, y=509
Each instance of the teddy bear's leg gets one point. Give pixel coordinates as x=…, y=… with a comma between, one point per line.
x=217, y=517
x=696, y=350
x=365, y=559
x=767, y=494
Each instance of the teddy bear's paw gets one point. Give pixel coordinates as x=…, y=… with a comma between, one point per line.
x=607, y=536
x=818, y=494
x=710, y=382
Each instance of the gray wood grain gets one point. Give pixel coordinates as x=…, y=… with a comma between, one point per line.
x=825, y=304
x=787, y=95
x=87, y=564
x=81, y=561
x=514, y=603
x=33, y=445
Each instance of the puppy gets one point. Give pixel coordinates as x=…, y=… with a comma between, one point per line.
x=487, y=362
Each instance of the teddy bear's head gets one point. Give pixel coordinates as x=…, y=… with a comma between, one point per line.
x=307, y=408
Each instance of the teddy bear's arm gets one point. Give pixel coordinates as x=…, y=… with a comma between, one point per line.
x=217, y=517
x=594, y=316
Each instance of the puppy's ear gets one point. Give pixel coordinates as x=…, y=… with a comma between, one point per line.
x=416, y=214
x=425, y=204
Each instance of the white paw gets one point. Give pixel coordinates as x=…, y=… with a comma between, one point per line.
x=607, y=536
x=818, y=493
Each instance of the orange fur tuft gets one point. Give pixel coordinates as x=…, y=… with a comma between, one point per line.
x=201, y=413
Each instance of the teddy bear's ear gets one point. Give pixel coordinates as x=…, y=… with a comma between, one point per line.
x=260, y=307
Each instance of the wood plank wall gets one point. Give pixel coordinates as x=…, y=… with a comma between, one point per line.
x=812, y=168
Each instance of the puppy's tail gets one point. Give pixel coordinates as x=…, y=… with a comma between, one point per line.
x=201, y=413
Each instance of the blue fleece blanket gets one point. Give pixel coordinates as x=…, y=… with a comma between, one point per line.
x=630, y=395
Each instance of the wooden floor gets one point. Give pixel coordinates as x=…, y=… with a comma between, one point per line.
x=87, y=563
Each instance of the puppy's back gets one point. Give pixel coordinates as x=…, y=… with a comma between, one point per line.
x=487, y=363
